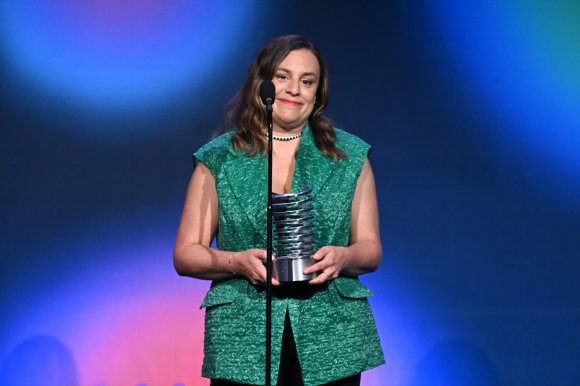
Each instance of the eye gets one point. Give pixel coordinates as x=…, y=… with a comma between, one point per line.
x=281, y=76
x=307, y=82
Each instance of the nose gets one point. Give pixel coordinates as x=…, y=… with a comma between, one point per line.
x=293, y=87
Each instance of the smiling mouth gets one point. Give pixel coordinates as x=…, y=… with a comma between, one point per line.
x=290, y=103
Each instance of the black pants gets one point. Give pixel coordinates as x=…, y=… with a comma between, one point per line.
x=290, y=374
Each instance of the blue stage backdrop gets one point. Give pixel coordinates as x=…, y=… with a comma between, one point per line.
x=472, y=111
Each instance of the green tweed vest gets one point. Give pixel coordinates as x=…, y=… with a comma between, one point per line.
x=334, y=329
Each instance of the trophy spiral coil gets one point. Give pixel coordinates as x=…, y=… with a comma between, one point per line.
x=293, y=235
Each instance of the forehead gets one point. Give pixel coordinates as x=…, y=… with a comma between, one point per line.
x=300, y=61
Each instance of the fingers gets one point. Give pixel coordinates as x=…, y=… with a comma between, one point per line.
x=253, y=267
x=261, y=280
x=318, y=257
x=321, y=278
x=321, y=253
x=328, y=265
x=323, y=258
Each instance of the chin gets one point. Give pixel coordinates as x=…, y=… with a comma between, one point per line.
x=291, y=123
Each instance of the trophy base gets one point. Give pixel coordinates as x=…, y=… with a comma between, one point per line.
x=292, y=270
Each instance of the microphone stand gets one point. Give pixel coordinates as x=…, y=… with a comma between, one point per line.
x=269, y=252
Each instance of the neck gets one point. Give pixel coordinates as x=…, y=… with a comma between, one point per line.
x=279, y=130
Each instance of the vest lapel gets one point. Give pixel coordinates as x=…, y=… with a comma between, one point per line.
x=248, y=180
x=312, y=167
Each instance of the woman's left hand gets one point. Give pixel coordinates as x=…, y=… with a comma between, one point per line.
x=329, y=262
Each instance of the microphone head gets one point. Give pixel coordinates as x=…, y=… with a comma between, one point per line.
x=267, y=92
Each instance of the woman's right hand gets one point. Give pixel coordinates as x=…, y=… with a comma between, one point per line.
x=250, y=264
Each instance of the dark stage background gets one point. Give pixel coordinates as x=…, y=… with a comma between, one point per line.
x=472, y=111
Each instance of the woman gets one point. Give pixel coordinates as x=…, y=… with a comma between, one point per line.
x=323, y=332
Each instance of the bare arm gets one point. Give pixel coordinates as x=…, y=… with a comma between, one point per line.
x=192, y=254
x=364, y=252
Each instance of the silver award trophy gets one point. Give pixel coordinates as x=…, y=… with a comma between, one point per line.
x=293, y=235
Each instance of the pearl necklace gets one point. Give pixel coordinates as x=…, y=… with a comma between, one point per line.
x=286, y=137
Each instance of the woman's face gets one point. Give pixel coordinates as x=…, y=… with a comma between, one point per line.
x=296, y=79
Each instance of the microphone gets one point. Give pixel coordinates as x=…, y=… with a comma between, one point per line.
x=268, y=93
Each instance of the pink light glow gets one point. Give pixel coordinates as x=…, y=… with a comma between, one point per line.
x=137, y=323
x=155, y=341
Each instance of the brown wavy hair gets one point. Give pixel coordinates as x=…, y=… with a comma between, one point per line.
x=246, y=114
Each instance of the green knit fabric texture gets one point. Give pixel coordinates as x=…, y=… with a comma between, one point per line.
x=333, y=327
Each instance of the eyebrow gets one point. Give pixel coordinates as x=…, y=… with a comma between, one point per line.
x=303, y=74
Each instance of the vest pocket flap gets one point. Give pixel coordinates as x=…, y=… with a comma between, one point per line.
x=351, y=288
x=223, y=293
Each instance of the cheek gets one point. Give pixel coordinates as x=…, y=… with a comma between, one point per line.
x=311, y=101
x=278, y=87
x=312, y=96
